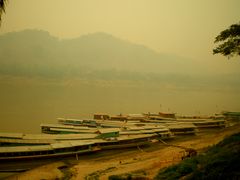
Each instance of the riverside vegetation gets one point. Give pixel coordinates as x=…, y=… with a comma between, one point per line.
x=220, y=161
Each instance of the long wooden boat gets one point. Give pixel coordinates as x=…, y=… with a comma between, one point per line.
x=211, y=124
x=206, y=123
x=66, y=129
x=126, y=141
x=66, y=148
x=78, y=122
x=41, y=151
x=41, y=139
x=182, y=128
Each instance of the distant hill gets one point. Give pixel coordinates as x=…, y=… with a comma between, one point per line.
x=99, y=56
x=37, y=52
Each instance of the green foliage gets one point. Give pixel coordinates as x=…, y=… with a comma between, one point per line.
x=128, y=176
x=119, y=177
x=221, y=161
x=231, y=140
x=231, y=41
x=175, y=172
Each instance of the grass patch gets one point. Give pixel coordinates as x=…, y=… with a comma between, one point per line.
x=136, y=175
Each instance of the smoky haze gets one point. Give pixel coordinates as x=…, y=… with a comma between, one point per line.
x=72, y=59
x=47, y=77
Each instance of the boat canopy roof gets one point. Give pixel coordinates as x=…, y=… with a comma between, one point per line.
x=180, y=125
x=137, y=136
x=74, y=130
x=47, y=136
x=65, y=126
x=11, y=135
x=25, y=148
x=108, y=130
x=59, y=145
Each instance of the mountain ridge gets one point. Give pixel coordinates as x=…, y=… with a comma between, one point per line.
x=37, y=48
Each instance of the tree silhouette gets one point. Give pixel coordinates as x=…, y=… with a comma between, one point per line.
x=2, y=8
x=230, y=39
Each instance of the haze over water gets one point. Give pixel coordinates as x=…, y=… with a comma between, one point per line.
x=113, y=57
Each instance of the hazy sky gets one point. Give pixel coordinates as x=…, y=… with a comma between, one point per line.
x=183, y=27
